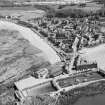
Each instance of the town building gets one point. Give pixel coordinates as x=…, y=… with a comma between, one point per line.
x=42, y=73
x=92, y=66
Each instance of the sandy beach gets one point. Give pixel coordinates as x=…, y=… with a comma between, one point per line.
x=95, y=54
x=34, y=39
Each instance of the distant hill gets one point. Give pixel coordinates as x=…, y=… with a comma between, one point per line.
x=6, y=3
x=100, y=1
x=33, y=0
x=10, y=2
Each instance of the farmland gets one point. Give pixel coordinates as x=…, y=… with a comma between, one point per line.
x=24, y=13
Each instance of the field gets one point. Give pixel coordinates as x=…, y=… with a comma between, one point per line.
x=38, y=11
x=89, y=7
x=23, y=13
x=70, y=81
x=100, y=1
x=90, y=91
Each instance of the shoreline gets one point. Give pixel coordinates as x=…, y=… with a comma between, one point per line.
x=34, y=39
